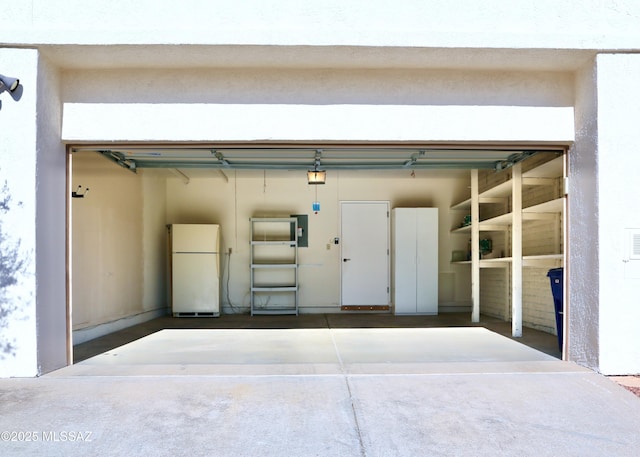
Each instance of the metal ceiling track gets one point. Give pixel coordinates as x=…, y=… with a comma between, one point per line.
x=327, y=158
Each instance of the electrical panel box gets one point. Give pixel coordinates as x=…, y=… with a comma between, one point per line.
x=303, y=230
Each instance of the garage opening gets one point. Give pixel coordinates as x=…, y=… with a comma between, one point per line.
x=500, y=228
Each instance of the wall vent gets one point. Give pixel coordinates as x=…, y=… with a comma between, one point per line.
x=631, y=255
x=633, y=246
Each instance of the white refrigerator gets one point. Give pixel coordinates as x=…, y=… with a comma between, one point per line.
x=195, y=270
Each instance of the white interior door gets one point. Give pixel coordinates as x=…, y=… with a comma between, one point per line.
x=365, y=253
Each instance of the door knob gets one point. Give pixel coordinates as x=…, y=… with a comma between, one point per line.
x=345, y=260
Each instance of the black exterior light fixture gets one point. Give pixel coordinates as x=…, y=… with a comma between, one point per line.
x=8, y=83
x=11, y=85
x=316, y=176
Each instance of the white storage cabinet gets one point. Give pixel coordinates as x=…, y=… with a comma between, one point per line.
x=415, y=260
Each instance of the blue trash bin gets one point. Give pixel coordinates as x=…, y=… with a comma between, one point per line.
x=556, y=278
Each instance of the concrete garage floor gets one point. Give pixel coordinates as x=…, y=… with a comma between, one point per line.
x=320, y=391
x=541, y=341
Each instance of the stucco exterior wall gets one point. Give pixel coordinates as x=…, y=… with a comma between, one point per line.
x=580, y=24
x=603, y=289
x=51, y=201
x=18, y=149
x=323, y=85
x=266, y=104
x=488, y=71
x=583, y=216
x=33, y=162
x=618, y=96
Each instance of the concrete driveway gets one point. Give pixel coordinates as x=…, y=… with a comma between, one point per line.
x=320, y=392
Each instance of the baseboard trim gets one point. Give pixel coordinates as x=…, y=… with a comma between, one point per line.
x=89, y=333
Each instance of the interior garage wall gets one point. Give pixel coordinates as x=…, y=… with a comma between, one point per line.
x=154, y=242
x=213, y=199
x=118, y=241
x=537, y=302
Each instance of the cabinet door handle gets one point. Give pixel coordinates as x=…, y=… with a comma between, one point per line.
x=345, y=260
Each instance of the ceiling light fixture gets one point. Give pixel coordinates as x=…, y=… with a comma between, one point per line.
x=317, y=176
